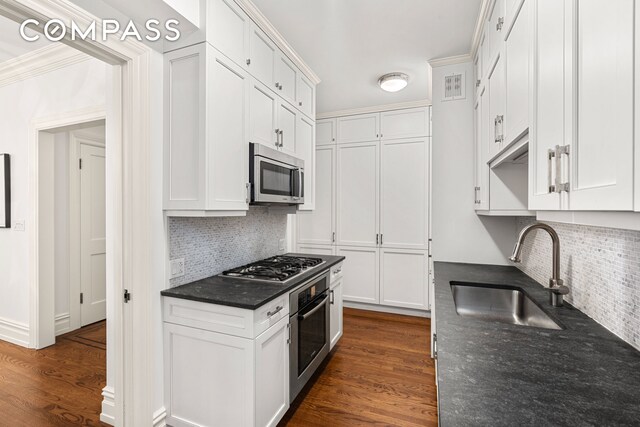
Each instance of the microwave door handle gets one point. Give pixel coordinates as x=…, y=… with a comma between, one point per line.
x=300, y=183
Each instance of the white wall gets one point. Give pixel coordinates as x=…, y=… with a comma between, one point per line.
x=71, y=88
x=459, y=235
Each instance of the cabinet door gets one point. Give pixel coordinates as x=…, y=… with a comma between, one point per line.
x=227, y=133
x=305, y=92
x=263, y=109
x=317, y=227
x=287, y=117
x=315, y=249
x=326, y=132
x=358, y=194
x=481, y=190
x=286, y=78
x=477, y=71
x=360, y=128
x=517, y=76
x=408, y=123
x=497, y=119
x=336, y=312
x=228, y=29
x=272, y=374
x=361, y=274
x=404, y=278
x=262, y=56
x=306, y=150
x=486, y=51
x=601, y=157
x=229, y=361
x=497, y=29
x=184, y=128
x=551, y=79
x=404, y=164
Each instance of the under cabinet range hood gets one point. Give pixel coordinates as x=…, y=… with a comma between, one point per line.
x=275, y=178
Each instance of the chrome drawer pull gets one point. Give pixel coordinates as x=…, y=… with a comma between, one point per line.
x=276, y=311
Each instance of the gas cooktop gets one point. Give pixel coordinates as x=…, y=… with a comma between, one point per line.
x=274, y=269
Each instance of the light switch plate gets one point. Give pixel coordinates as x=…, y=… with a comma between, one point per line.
x=177, y=267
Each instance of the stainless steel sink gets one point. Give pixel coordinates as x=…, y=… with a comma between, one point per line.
x=506, y=304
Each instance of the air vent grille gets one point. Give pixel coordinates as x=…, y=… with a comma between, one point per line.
x=454, y=87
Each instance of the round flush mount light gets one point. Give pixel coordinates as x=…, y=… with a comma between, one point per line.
x=393, y=82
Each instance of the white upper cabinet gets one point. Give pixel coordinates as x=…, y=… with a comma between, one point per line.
x=497, y=119
x=306, y=96
x=404, y=220
x=404, y=276
x=206, y=131
x=306, y=150
x=318, y=227
x=517, y=73
x=287, y=118
x=262, y=56
x=601, y=156
x=358, y=194
x=496, y=27
x=286, y=79
x=360, y=128
x=481, y=148
x=336, y=312
x=326, y=131
x=404, y=123
x=263, y=114
x=228, y=30
x=485, y=50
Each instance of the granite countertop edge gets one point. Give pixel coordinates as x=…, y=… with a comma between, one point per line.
x=243, y=293
x=497, y=374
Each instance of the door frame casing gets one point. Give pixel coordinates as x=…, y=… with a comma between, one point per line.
x=128, y=173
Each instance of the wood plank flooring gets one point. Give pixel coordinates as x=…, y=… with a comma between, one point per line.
x=60, y=385
x=379, y=374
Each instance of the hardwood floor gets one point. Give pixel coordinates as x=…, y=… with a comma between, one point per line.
x=60, y=385
x=380, y=373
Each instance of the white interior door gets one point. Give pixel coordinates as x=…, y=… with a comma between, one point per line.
x=404, y=193
x=358, y=194
x=92, y=235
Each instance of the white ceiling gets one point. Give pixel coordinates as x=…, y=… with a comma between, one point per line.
x=11, y=44
x=351, y=43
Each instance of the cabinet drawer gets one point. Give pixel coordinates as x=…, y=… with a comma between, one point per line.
x=270, y=313
x=336, y=273
x=211, y=317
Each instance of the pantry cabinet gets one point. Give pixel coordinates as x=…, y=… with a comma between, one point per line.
x=581, y=147
x=318, y=226
x=361, y=274
x=206, y=131
x=404, y=276
x=404, y=123
x=358, y=128
x=326, y=131
x=358, y=194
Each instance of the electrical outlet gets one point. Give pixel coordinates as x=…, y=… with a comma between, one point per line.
x=177, y=267
x=281, y=244
x=19, y=225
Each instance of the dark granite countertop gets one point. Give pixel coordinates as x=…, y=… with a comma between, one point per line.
x=243, y=293
x=494, y=374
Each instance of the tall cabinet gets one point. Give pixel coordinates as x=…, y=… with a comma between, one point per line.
x=372, y=205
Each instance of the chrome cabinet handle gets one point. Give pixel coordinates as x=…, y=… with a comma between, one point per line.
x=377, y=238
x=333, y=297
x=277, y=85
x=333, y=237
x=277, y=137
x=281, y=138
x=249, y=61
x=274, y=312
x=381, y=238
x=300, y=103
x=248, y=186
x=551, y=154
x=318, y=307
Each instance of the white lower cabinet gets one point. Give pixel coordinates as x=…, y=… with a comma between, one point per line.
x=361, y=274
x=216, y=378
x=336, y=308
x=404, y=278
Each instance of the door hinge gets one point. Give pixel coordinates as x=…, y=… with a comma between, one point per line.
x=79, y=163
x=127, y=296
x=81, y=298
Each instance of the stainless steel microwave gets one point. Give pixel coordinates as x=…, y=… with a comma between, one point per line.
x=275, y=177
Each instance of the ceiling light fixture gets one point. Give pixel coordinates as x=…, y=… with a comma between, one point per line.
x=393, y=82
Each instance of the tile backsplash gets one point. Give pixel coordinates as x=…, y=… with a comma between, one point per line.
x=600, y=265
x=212, y=245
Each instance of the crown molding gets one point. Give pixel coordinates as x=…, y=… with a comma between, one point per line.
x=477, y=33
x=374, y=109
x=265, y=25
x=40, y=61
x=450, y=60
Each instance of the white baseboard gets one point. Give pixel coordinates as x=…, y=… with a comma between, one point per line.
x=63, y=324
x=14, y=332
x=108, y=406
x=160, y=417
x=387, y=309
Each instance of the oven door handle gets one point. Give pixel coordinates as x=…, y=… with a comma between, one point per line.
x=316, y=308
